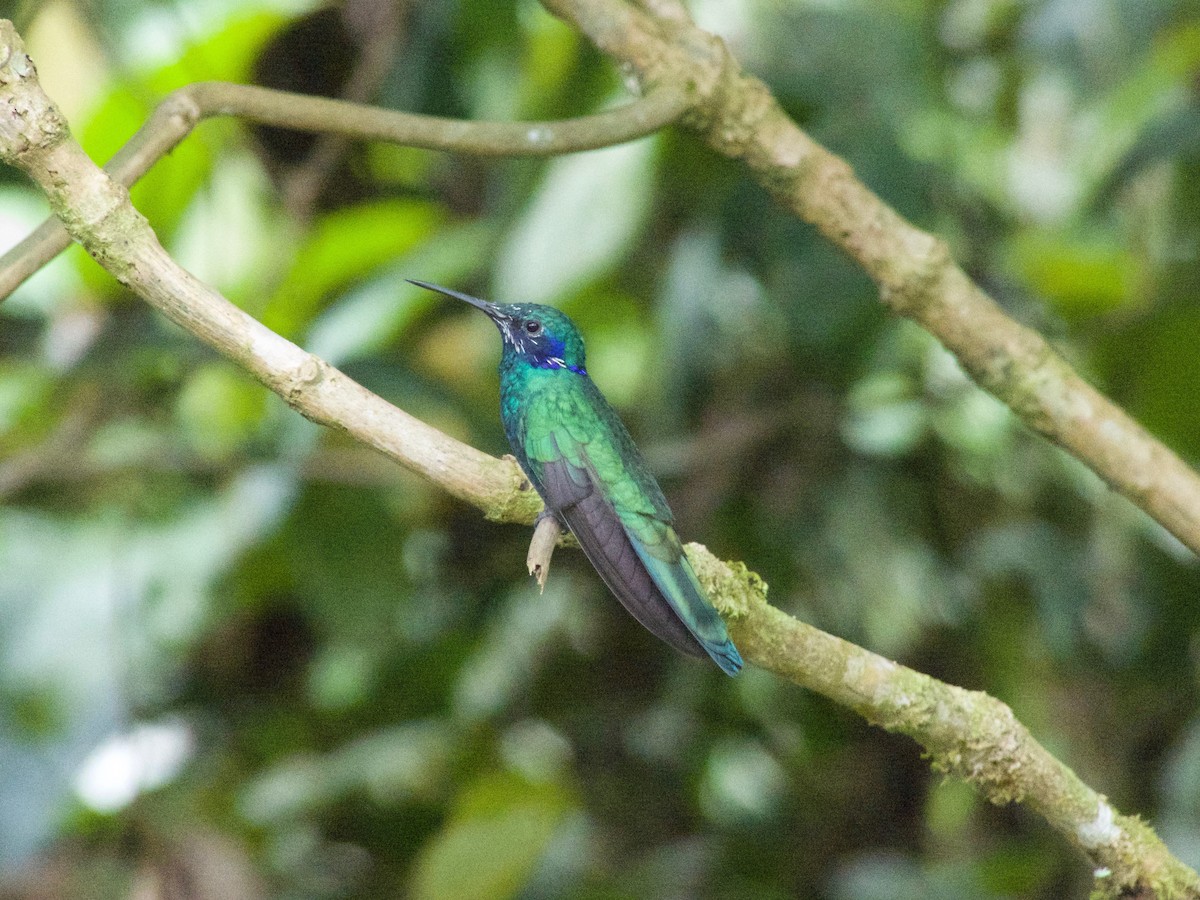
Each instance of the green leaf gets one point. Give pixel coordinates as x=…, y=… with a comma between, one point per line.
x=220, y=409
x=25, y=389
x=587, y=213
x=346, y=245
x=885, y=417
x=370, y=316
x=493, y=841
x=1081, y=276
x=166, y=190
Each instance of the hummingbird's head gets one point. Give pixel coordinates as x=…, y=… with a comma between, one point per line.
x=540, y=336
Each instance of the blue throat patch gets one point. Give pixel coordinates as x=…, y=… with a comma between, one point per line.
x=554, y=358
x=553, y=362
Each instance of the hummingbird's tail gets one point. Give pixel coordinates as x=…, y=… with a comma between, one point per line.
x=661, y=593
x=678, y=584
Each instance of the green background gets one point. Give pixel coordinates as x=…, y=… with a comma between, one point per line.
x=241, y=648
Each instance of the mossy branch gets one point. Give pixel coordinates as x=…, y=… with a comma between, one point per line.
x=967, y=734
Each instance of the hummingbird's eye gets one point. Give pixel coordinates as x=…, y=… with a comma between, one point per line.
x=533, y=327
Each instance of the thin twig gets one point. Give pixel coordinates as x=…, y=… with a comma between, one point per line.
x=181, y=111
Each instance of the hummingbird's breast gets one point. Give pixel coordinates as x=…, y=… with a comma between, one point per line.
x=534, y=401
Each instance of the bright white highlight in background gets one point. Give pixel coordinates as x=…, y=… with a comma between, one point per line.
x=125, y=765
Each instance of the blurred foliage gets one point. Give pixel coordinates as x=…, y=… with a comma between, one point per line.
x=239, y=653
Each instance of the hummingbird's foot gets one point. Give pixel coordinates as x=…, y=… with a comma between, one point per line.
x=546, y=532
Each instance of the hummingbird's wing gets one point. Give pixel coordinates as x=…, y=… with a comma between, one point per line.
x=591, y=475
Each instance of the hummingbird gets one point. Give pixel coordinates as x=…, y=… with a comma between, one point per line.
x=581, y=460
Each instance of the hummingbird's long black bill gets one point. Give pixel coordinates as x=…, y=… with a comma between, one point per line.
x=489, y=308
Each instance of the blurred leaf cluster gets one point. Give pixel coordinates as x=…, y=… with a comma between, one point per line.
x=239, y=650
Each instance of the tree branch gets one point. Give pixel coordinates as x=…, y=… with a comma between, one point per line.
x=968, y=734
x=737, y=115
x=182, y=110
x=97, y=212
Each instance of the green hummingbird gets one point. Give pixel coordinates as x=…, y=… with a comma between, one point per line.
x=581, y=460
